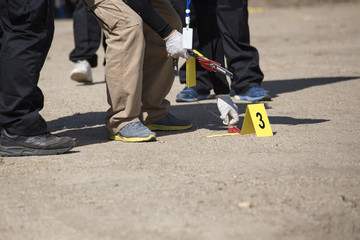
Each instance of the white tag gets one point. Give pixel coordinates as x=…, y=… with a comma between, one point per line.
x=187, y=38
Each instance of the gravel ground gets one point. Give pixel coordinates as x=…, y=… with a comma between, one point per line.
x=301, y=183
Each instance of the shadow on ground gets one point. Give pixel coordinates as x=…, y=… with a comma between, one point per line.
x=89, y=127
x=276, y=87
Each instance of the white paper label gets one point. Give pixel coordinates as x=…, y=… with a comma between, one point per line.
x=187, y=38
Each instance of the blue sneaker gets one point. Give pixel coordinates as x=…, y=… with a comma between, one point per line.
x=134, y=132
x=190, y=95
x=254, y=94
x=170, y=123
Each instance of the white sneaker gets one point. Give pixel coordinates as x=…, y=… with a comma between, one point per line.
x=81, y=72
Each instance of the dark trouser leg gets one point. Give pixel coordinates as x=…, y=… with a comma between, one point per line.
x=28, y=29
x=87, y=35
x=242, y=58
x=210, y=42
x=207, y=40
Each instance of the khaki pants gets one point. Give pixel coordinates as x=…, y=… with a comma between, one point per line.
x=139, y=73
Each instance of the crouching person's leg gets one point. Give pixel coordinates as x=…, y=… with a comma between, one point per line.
x=123, y=29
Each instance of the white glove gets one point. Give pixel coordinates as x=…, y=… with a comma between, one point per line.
x=228, y=109
x=174, y=46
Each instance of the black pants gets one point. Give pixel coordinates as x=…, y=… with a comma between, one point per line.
x=27, y=29
x=207, y=40
x=232, y=38
x=242, y=58
x=87, y=35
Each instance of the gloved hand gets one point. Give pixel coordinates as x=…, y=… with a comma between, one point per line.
x=174, y=46
x=228, y=109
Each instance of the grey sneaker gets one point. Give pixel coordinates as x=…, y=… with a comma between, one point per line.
x=44, y=144
x=170, y=123
x=134, y=132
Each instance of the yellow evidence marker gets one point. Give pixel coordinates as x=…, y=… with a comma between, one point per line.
x=191, y=72
x=256, y=121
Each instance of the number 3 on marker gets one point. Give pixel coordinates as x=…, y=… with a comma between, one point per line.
x=256, y=121
x=262, y=126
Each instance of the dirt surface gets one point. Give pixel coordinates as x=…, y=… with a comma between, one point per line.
x=301, y=183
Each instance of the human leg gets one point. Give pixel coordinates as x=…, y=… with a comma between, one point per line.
x=203, y=84
x=242, y=58
x=87, y=39
x=21, y=61
x=87, y=35
x=158, y=67
x=124, y=62
x=25, y=40
x=158, y=73
x=208, y=41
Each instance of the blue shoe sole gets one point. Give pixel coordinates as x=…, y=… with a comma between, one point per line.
x=252, y=99
x=198, y=98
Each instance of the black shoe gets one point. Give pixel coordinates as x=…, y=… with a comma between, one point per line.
x=44, y=144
